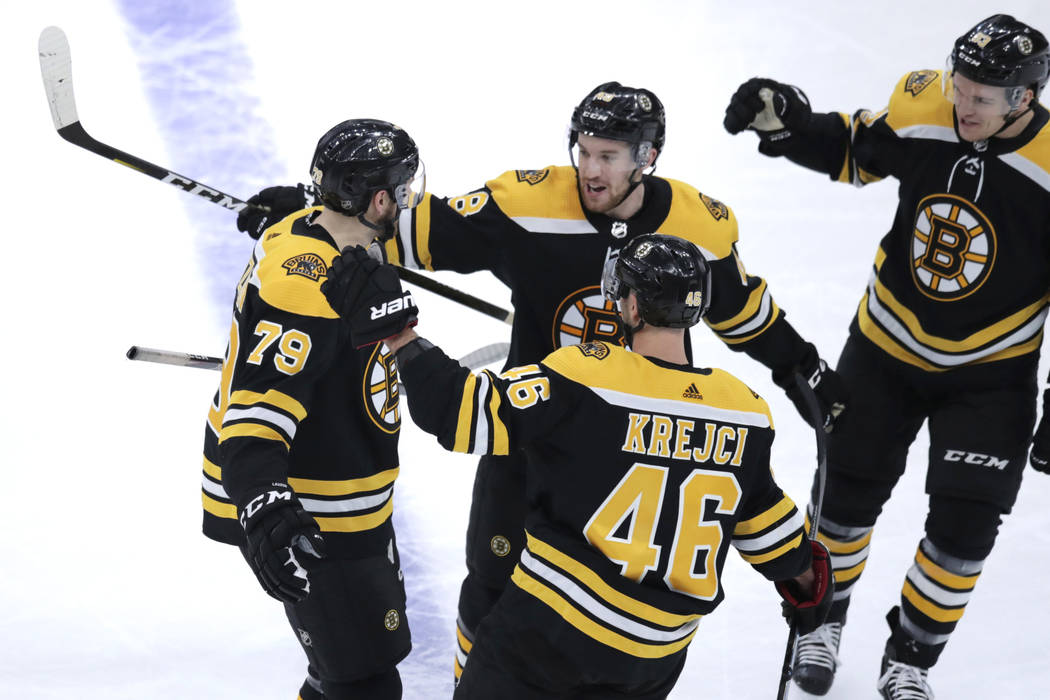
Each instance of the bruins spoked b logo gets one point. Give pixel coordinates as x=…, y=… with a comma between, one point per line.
x=586, y=315
x=953, y=247
x=380, y=390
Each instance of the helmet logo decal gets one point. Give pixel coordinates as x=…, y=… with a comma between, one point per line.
x=643, y=250
x=645, y=103
x=1024, y=44
x=953, y=247
x=317, y=176
x=604, y=96
x=981, y=39
x=385, y=146
x=380, y=390
x=585, y=316
x=918, y=81
x=619, y=229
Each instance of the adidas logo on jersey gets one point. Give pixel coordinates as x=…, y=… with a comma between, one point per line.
x=392, y=307
x=691, y=392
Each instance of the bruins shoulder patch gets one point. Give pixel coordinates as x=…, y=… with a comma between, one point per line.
x=533, y=177
x=308, y=265
x=918, y=81
x=596, y=350
x=717, y=209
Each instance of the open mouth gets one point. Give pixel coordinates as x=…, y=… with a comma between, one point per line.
x=594, y=190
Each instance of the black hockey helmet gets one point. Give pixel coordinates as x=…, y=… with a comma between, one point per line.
x=1004, y=52
x=614, y=111
x=358, y=157
x=669, y=275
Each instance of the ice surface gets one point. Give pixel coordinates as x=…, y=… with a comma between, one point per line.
x=109, y=589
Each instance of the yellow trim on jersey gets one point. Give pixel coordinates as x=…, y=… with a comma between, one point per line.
x=356, y=523
x=774, y=312
x=973, y=341
x=631, y=373
x=553, y=197
x=929, y=609
x=343, y=487
x=254, y=430
x=457, y=670
x=689, y=218
x=760, y=522
x=279, y=286
x=768, y=556
x=500, y=439
x=466, y=415
x=893, y=347
x=465, y=643
x=591, y=628
x=943, y=576
x=272, y=397
x=754, y=301
x=422, y=234
x=217, y=508
x=603, y=590
x=213, y=470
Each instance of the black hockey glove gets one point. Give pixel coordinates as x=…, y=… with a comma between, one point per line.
x=1039, y=458
x=774, y=110
x=284, y=542
x=809, y=609
x=273, y=204
x=367, y=294
x=832, y=396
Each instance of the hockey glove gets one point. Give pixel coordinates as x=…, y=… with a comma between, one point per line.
x=832, y=396
x=273, y=204
x=283, y=542
x=774, y=110
x=809, y=609
x=367, y=294
x=1039, y=458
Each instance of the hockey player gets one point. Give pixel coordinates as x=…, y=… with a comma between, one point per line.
x=641, y=471
x=546, y=234
x=948, y=329
x=300, y=449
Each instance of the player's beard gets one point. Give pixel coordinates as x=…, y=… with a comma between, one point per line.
x=606, y=199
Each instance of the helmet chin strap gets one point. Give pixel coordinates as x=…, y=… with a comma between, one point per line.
x=1012, y=117
x=385, y=229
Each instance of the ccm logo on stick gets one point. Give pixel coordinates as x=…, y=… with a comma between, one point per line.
x=392, y=307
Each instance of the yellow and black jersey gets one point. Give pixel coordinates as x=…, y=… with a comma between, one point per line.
x=963, y=275
x=640, y=474
x=530, y=230
x=297, y=402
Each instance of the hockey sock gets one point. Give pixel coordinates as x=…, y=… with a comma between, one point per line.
x=849, y=553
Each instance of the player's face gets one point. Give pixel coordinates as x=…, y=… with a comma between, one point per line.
x=981, y=109
x=605, y=168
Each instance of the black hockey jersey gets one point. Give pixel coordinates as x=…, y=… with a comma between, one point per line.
x=963, y=275
x=640, y=474
x=529, y=228
x=298, y=402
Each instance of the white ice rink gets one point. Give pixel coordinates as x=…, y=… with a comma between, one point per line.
x=108, y=589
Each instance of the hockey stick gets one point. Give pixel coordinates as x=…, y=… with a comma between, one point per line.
x=485, y=355
x=817, y=417
x=56, y=67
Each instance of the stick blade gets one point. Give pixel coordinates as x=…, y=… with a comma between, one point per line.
x=56, y=68
x=496, y=352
